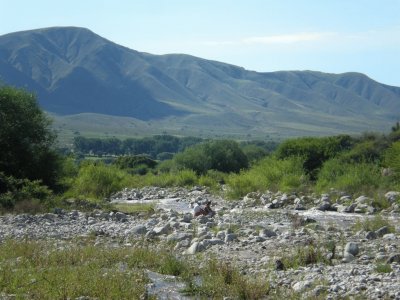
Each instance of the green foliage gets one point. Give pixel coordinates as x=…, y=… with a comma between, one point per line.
x=40, y=270
x=176, y=178
x=365, y=151
x=138, y=164
x=194, y=158
x=16, y=194
x=26, y=139
x=212, y=179
x=186, y=178
x=147, y=208
x=254, y=153
x=373, y=224
x=305, y=255
x=44, y=270
x=315, y=151
x=383, y=268
x=98, y=181
x=157, y=146
x=167, y=166
x=270, y=173
x=219, y=155
x=348, y=177
x=392, y=158
x=220, y=279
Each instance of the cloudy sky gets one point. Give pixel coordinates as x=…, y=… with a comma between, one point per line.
x=332, y=36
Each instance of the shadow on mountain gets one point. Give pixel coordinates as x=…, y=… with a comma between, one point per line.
x=126, y=100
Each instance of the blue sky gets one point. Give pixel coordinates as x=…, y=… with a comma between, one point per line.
x=332, y=36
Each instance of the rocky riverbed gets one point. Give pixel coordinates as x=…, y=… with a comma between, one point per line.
x=260, y=234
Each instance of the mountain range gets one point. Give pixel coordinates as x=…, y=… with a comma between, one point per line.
x=88, y=83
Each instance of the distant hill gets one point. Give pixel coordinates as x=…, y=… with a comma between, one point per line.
x=79, y=76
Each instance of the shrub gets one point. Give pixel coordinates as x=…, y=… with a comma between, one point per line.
x=305, y=255
x=15, y=191
x=99, y=181
x=221, y=279
x=212, y=179
x=221, y=155
x=254, y=153
x=351, y=178
x=167, y=166
x=373, y=224
x=315, y=151
x=270, y=173
x=392, y=158
x=186, y=178
x=137, y=164
x=365, y=151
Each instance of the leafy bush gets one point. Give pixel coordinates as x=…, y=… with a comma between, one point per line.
x=221, y=155
x=98, y=181
x=270, y=173
x=194, y=158
x=392, y=158
x=254, y=153
x=212, y=179
x=15, y=191
x=315, y=151
x=137, y=164
x=365, y=151
x=347, y=177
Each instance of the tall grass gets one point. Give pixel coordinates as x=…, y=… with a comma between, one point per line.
x=45, y=270
x=37, y=270
x=305, y=255
x=373, y=224
x=221, y=279
x=351, y=178
x=98, y=181
x=270, y=173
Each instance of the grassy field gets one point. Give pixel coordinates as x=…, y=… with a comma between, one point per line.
x=255, y=125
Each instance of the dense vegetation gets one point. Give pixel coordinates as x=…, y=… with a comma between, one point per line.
x=25, y=138
x=160, y=147
x=157, y=147
x=33, y=176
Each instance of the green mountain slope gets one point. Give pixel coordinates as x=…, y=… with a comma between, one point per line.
x=80, y=75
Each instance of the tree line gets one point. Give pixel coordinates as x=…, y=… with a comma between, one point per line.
x=157, y=147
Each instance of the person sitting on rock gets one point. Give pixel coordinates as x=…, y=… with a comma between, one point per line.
x=207, y=209
x=203, y=210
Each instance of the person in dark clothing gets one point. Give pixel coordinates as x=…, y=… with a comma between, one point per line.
x=203, y=210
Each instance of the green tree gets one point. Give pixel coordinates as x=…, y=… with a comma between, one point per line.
x=26, y=139
x=222, y=155
x=314, y=150
x=137, y=164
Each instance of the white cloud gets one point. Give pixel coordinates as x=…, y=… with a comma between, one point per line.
x=286, y=38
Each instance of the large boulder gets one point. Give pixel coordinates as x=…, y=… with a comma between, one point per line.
x=352, y=248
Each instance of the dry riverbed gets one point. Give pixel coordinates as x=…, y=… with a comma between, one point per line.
x=309, y=246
